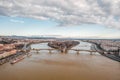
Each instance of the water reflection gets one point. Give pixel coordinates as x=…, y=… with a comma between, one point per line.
x=55, y=66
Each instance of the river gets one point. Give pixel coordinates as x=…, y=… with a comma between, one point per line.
x=57, y=66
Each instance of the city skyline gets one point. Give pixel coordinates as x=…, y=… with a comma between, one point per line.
x=72, y=18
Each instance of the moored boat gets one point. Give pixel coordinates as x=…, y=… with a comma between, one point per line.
x=17, y=60
x=28, y=55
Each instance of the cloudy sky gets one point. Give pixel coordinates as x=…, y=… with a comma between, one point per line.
x=66, y=18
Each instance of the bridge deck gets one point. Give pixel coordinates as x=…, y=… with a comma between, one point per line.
x=68, y=49
x=83, y=50
x=42, y=49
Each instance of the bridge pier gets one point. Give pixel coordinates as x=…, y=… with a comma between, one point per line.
x=50, y=51
x=65, y=51
x=91, y=53
x=37, y=51
x=78, y=52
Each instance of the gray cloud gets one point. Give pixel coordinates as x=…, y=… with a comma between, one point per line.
x=65, y=12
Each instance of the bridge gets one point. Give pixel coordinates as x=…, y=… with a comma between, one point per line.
x=79, y=50
x=51, y=49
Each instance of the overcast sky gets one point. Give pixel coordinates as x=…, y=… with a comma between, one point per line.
x=67, y=18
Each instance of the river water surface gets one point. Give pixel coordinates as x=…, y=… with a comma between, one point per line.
x=57, y=66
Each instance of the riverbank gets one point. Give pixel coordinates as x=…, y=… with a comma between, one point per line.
x=11, y=49
x=112, y=54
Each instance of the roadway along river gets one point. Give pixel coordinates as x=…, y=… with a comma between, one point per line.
x=56, y=66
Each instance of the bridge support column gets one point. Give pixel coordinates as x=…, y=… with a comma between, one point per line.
x=91, y=53
x=50, y=51
x=78, y=52
x=37, y=51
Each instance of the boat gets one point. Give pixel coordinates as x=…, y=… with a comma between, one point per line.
x=28, y=55
x=17, y=60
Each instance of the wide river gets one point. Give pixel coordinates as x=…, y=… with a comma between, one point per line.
x=57, y=66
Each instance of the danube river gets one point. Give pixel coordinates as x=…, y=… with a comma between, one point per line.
x=57, y=66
